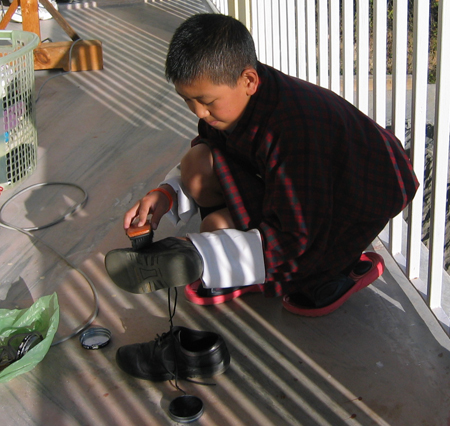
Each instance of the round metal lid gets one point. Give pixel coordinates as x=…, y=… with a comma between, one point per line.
x=186, y=409
x=95, y=338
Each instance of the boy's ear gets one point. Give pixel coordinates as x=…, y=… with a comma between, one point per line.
x=251, y=80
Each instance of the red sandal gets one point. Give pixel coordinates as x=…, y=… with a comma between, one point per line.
x=299, y=305
x=200, y=295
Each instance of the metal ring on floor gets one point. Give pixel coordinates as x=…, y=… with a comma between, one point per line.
x=27, y=232
x=74, y=209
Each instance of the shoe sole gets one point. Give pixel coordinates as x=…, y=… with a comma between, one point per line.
x=362, y=281
x=190, y=292
x=163, y=265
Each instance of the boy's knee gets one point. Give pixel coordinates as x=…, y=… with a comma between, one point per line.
x=198, y=176
x=220, y=219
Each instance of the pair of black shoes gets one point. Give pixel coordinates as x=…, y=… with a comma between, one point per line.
x=180, y=353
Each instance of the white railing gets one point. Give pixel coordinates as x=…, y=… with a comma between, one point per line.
x=303, y=38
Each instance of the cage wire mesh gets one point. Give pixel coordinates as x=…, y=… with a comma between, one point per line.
x=18, y=134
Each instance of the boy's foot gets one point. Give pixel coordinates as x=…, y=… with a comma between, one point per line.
x=200, y=295
x=333, y=294
x=180, y=353
x=170, y=262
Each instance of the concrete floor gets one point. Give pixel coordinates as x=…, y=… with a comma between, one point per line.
x=382, y=359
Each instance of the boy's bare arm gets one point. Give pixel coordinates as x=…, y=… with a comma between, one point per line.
x=156, y=203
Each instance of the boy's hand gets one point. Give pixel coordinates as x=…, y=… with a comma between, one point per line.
x=155, y=203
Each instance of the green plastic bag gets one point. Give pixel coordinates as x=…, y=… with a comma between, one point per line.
x=42, y=316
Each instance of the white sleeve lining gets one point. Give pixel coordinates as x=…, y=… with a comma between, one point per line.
x=184, y=207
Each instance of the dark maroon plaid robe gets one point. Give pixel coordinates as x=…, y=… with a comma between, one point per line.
x=317, y=177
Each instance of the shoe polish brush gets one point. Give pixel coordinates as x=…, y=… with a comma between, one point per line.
x=140, y=236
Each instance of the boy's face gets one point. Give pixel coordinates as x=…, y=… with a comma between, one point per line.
x=221, y=106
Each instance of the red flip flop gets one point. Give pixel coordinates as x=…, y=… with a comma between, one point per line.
x=361, y=281
x=217, y=295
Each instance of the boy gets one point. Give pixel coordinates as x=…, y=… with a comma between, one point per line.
x=292, y=183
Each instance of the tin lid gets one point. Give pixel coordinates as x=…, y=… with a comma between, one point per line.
x=28, y=343
x=186, y=409
x=95, y=338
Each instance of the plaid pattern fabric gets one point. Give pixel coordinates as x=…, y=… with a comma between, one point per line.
x=317, y=177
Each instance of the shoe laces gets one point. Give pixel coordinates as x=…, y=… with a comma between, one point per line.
x=170, y=335
x=159, y=340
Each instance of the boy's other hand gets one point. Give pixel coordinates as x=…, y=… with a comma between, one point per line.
x=155, y=203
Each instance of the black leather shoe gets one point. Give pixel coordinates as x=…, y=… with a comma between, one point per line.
x=180, y=353
x=170, y=262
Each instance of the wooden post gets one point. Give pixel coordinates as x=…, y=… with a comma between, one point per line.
x=8, y=15
x=86, y=55
x=60, y=20
x=30, y=16
x=75, y=55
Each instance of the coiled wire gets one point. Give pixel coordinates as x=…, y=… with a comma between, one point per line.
x=27, y=232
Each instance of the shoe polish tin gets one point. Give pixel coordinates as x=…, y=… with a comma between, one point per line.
x=186, y=409
x=95, y=338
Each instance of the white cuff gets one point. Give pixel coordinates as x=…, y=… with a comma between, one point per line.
x=230, y=257
x=184, y=207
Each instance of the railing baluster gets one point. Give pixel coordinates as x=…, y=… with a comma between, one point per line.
x=262, y=33
x=301, y=39
x=440, y=158
x=268, y=31
x=418, y=133
x=323, y=42
x=276, y=47
x=284, y=26
x=254, y=14
x=291, y=40
x=379, y=62
x=399, y=101
x=362, y=51
x=311, y=60
x=335, y=47
x=347, y=23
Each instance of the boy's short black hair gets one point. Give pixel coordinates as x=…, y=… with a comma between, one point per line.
x=212, y=46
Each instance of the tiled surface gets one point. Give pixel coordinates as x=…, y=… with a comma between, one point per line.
x=379, y=360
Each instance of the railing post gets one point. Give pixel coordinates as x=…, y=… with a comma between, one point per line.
x=379, y=62
x=440, y=158
x=301, y=40
x=322, y=28
x=362, y=40
x=399, y=102
x=291, y=39
x=418, y=133
x=241, y=9
x=347, y=23
x=311, y=58
x=335, y=47
x=233, y=9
